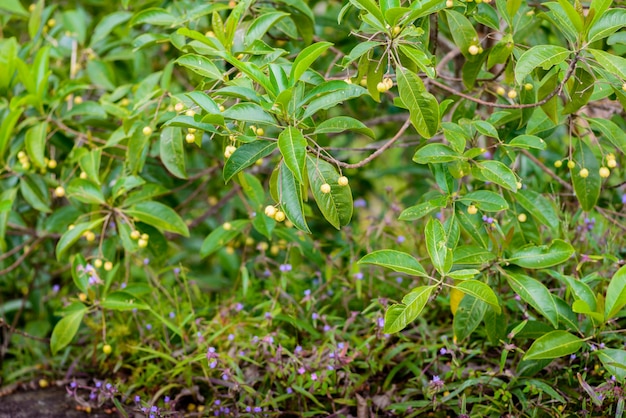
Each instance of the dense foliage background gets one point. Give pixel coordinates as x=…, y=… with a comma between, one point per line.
x=292, y=208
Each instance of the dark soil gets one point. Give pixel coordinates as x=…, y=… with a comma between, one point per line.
x=45, y=403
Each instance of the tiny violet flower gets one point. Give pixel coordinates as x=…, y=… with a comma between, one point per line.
x=217, y=402
x=330, y=367
x=73, y=385
x=248, y=409
x=340, y=346
x=443, y=351
x=172, y=315
x=360, y=203
x=624, y=199
x=399, y=280
x=137, y=398
x=56, y=288
x=301, y=370
x=224, y=376
x=176, y=271
x=572, y=357
x=148, y=327
x=381, y=322
x=166, y=399
x=613, y=378
x=213, y=364
x=307, y=292
x=231, y=337
x=315, y=316
x=326, y=328
x=154, y=409
x=358, y=275
x=146, y=261
x=290, y=391
x=298, y=349
x=257, y=409
x=238, y=307
x=268, y=315
x=98, y=384
x=285, y=267
x=331, y=355
x=400, y=239
x=255, y=339
x=313, y=376
x=108, y=386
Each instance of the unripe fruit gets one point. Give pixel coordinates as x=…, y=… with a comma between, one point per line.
x=142, y=243
x=106, y=349
x=147, y=131
x=230, y=250
x=51, y=22
x=280, y=216
x=21, y=155
x=124, y=102
x=522, y=217
x=52, y=164
x=190, y=113
x=624, y=86
x=227, y=226
x=449, y=3
x=584, y=173
x=342, y=181
x=396, y=31
x=222, y=108
x=472, y=210
x=59, y=191
x=528, y=86
x=571, y=164
x=260, y=131
x=381, y=87
x=473, y=50
x=78, y=100
x=43, y=383
x=145, y=237
x=363, y=82
x=500, y=91
x=604, y=172
x=135, y=235
x=270, y=211
x=25, y=165
x=229, y=151
x=274, y=249
x=82, y=297
x=512, y=94
x=97, y=263
x=83, y=175
x=179, y=107
x=190, y=138
x=90, y=236
x=348, y=80
x=108, y=266
x=558, y=163
x=611, y=163
x=191, y=130
x=325, y=188
x=519, y=184
x=70, y=227
x=388, y=82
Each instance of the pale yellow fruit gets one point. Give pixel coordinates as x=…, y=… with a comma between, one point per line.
x=522, y=217
x=52, y=164
x=97, y=263
x=270, y=211
x=280, y=216
x=500, y=91
x=512, y=94
x=142, y=243
x=227, y=226
x=325, y=188
x=528, y=86
x=222, y=108
x=145, y=237
x=611, y=163
x=179, y=107
x=106, y=349
x=449, y=3
x=229, y=151
x=90, y=236
x=558, y=163
x=381, y=87
x=260, y=131
x=473, y=50
x=190, y=138
x=78, y=100
x=147, y=131
x=108, y=266
x=190, y=113
x=83, y=175
x=584, y=173
x=604, y=172
x=342, y=181
x=472, y=210
x=135, y=235
x=571, y=164
x=59, y=191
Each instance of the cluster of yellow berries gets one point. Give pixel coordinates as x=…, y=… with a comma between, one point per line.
x=142, y=239
x=23, y=159
x=475, y=49
x=228, y=151
x=610, y=160
x=274, y=213
x=90, y=236
x=108, y=266
x=190, y=138
x=604, y=172
x=342, y=181
x=257, y=131
x=384, y=85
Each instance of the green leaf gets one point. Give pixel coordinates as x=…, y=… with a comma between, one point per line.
x=481, y=291
x=153, y=16
x=65, y=330
x=338, y=95
x=246, y=155
x=171, y=151
x=574, y=17
x=609, y=23
x=108, y=24
x=290, y=197
x=6, y=129
x=305, y=59
x=395, y=260
x=200, y=65
x=420, y=58
x=472, y=255
x=35, y=143
x=249, y=112
x=90, y=164
x=553, y=345
x=337, y=205
x=612, y=63
x=159, y=216
x=436, y=153
x=462, y=30
x=221, y=236
x=468, y=316
x=535, y=257
x=423, y=107
x=440, y=254
x=372, y=8
x=616, y=294
x=539, y=207
x=35, y=192
x=544, y=56
x=611, y=131
x=587, y=189
x=498, y=173
x=536, y=295
x=292, y=145
x=580, y=91
x=259, y=26
x=13, y=7
x=485, y=200
x=85, y=191
x=343, y=123
x=416, y=212
x=613, y=361
x=527, y=142
x=398, y=316
x=122, y=301
x=71, y=236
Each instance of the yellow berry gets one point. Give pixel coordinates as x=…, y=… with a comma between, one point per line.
x=512, y=94
x=472, y=210
x=584, y=173
x=191, y=130
x=522, y=217
x=624, y=86
x=90, y=236
x=229, y=151
x=51, y=22
x=274, y=249
x=21, y=155
x=210, y=34
x=348, y=80
x=519, y=184
x=145, y=237
x=571, y=164
x=388, y=82
x=363, y=82
x=212, y=200
x=124, y=102
x=528, y=86
x=82, y=297
x=260, y=131
x=342, y=181
x=325, y=188
x=558, y=163
x=83, y=175
x=142, y=243
x=190, y=113
x=270, y=211
x=135, y=235
x=449, y=3
x=108, y=266
x=70, y=227
x=381, y=87
x=78, y=100
x=227, y=226
x=52, y=164
x=147, y=131
x=179, y=107
x=43, y=383
x=249, y=241
x=280, y=216
x=97, y=263
x=222, y=108
x=500, y=91
x=31, y=8
x=59, y=191
x=611, y=163
x=288, y=224
x=604, y=172
x=190, y=138
x=396, y=30
x=263, y=246
x=106, y=349
x=473, y=50
x=230, y=250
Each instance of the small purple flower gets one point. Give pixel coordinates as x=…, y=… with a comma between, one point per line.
x=315, y=316
x=517, y=298
x=73, y=385
x=326, y=328
x=56, y=288
x=289, y=390
x=360, y=203
x=257, y=409
x=268, y=315
x=92, y=395
x=166, y=399
x=330, y=367
x=340, y=346
x=381, y=322
x=248, y=409
x=624, y=199
x=602, y=346
x=358, y=275
x=436, y=383
x=98, y=384
x=313, y=376
x=224, y=376
x=443, y=351
x=298, y=349
x=146, y=261
x=148, y=327
x=172, y=315
x=285, y=267
x=231, y=337
x=137, y=398
x=400, y=239
x=487, y=155
x=238, y=307
x=176, y=271
x=572, y=357
x=108, y=386
x=255, y=339
x=307, y=292
x=331, y=355
x=399, y=280
x=436, y=379
x=213, y=364
x=123, y=285
x=592, y=347
x=301, y=370
x=613, y=378
x=153, y=408
x=267, y=273
x=217, y=402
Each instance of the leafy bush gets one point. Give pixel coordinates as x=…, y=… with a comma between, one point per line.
x=177, y=213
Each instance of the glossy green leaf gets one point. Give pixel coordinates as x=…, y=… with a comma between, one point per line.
x=305, y=58
x=246, y=155
x=462, y=30
x=539, y=207
x=436, y=153
x=372, y=8
x=611, y=131
x=468, y=316
x=581, y=89
x=463, y=274
x=159, y=216
x=472, y=255
x=13, y=7
x=122, y=301
x=423, y=106
x=609, y=23
x=587, y=189
x=542, y=256
x=416, y=212
x=398, y=261
x=544, y=56
x=35, y=192
x=65, y=330
x=527, y=142
x=221, y=236
x=420, y=58
x=553, y=345
x=200, y=65
x=338, y=95
x=35, y=143
x=171, y=150
x=259, y=26
x=90, y=164
x=485, y=200
x=153, y=16
x=481, y=291
x=292, y=146
x=498, y=173
x=72, y=235
x=107, y=24
x=290, y=198
x=6, y=129
x=85, y=191
x=250, y=112
x=440, y=254
x=536, y=295
x=337, y=205
x=616, y=294
x=343, y=123
x=398, y=316
x=613, y=361
x=612, y=63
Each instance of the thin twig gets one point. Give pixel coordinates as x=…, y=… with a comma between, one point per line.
x=546, y=169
